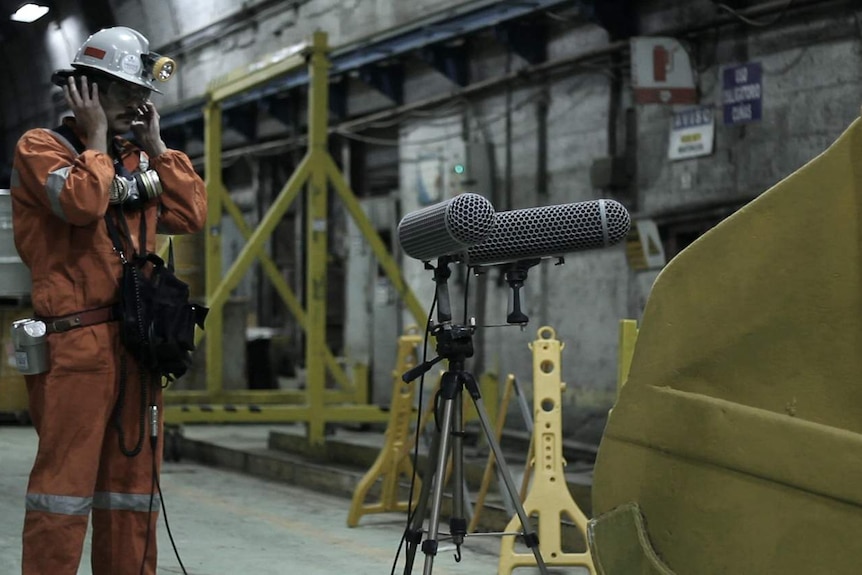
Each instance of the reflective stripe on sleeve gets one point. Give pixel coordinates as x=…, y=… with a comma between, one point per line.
x=54, y=186
x=126, y=501
x=60, y=504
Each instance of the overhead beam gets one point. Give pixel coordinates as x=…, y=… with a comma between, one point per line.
x=527, y=39
x=451, y=60
x=388, y=79
x=618, y=17
x=437, y=29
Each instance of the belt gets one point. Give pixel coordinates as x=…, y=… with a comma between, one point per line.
x=81, y=319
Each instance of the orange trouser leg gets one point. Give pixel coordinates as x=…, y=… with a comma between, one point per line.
x=70, y=407
x=126, y=503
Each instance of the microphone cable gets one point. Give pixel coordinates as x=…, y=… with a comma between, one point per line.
x=410, y=510
x=154, y=487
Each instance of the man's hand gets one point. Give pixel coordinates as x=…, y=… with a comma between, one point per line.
x=147, y=130
x=88, y=111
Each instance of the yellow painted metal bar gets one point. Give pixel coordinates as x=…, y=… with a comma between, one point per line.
x=290, y=396
x=316, y=238
x=221, y=290
x=549, y=497
x=257, y=73
x=162, y=251
x=628, y=339
x=384, y=257
x=359, y=384
x=288, y=297
x=212, y=243
x=219, y=413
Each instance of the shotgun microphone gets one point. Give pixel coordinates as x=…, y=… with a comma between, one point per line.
x=446, y=228
x=550, y=231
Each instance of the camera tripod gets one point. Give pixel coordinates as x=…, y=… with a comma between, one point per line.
x=455, y=344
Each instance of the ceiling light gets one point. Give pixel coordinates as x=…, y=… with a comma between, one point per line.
x=29, y=13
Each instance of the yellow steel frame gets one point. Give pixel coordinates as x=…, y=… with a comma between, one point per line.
x=317, y=405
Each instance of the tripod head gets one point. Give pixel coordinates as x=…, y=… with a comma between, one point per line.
x=454, y=342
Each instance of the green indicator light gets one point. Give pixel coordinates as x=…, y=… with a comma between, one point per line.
x=459, y=168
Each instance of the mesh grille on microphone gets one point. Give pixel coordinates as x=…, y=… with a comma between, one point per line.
x=619, y=221
x=552, y=230
x=446, y=228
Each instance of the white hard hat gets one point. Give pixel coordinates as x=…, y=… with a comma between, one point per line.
x=124, y=54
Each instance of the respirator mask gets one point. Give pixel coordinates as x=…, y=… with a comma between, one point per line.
x=135, y=191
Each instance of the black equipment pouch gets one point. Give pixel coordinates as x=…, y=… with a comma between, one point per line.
x=157, y=319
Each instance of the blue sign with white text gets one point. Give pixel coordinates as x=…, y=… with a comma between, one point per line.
x=742, y=94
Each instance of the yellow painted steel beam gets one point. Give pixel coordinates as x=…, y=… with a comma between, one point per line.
x=359, y=385
x=384, y=257
x=226, y=413
x=270, y=396
x=257, y=73
x=317, y=211
x=288, y=297
x=162, y=250
x=212, y=243
x=221, y=289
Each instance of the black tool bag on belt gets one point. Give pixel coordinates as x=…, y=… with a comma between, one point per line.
x=157, y=319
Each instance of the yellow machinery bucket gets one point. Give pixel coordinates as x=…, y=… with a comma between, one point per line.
x=738, y=434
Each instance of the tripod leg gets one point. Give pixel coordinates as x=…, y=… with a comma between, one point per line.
x=458, y=521
x=530, y=536
x=429, y=546
x=414, y=533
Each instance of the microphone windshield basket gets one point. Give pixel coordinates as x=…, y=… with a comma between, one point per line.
x=552, y=230
x=446, y=228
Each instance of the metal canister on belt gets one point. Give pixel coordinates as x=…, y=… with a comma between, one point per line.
x=30, y=340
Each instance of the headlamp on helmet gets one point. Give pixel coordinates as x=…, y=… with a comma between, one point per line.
x=161, y=68
x=123, y=54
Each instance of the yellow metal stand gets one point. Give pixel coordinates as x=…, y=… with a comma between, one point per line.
x=549, y=497
x=316, y=405
x=394, y=459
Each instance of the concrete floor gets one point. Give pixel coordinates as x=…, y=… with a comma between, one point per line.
x=226, y=523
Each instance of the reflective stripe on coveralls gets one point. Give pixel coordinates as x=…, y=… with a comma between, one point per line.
x=57, y=179
x=126, y=501
x=54, y=187
x=66, y=505
x=61, y=504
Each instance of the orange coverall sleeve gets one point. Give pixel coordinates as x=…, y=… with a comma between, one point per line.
x=74, y=188
x=184, y=199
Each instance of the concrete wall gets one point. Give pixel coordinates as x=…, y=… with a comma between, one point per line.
x=811, y=86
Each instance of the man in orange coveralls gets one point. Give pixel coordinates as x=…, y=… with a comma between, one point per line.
x=87, y=408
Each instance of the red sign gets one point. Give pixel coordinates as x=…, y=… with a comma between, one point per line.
x=661, y=72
